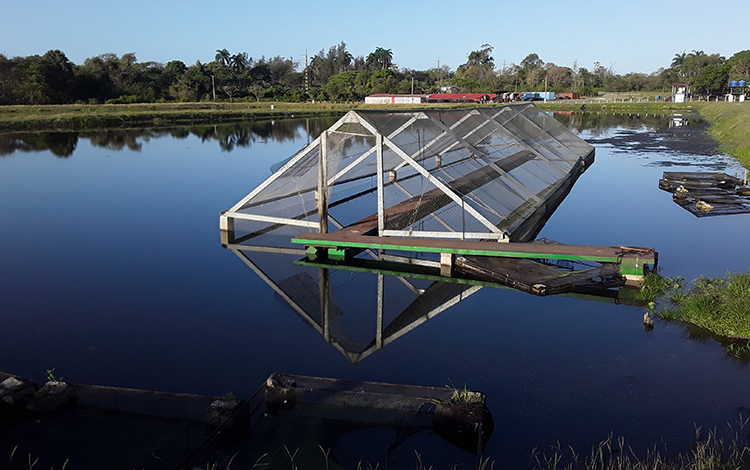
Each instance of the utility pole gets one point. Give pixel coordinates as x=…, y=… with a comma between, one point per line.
x=412, y=85
x=307, y=83
x=213, y=87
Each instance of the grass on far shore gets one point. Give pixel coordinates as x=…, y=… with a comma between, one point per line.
x=86, y=117
x=730, y=122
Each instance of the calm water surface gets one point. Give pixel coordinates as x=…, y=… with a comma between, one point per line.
x=112, y=272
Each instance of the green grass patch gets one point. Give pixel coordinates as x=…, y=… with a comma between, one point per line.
x=730, y=126
x=720, y=306
x=117, y=116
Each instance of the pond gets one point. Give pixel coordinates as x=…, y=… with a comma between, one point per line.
x=112, y=272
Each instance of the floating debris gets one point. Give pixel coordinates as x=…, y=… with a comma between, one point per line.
x=707, y=194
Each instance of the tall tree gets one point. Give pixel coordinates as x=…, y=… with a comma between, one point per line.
x=678, y=60
x=223, y=56
x=380, y=58
x=531, y=62
x=239, y=62
x=478, y=73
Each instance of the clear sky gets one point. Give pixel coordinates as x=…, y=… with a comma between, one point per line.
x=629, y=36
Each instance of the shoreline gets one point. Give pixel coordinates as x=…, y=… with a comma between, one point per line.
x=729, y=122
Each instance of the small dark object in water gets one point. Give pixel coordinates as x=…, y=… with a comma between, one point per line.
x=648, y=323
x=465, y=425
x=281, y=393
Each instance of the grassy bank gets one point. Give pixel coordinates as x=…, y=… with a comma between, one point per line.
x=720, y=306
x=730, y=126
x=86, y=117
x=730, y=122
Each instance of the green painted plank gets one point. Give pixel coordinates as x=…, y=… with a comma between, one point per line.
x=459, y=251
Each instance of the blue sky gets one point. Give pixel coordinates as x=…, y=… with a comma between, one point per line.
x=630, y=36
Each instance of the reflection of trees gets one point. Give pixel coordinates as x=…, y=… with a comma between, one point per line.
x=228, y=136
x=594, y=121
x=61, y=144
x=119, y=139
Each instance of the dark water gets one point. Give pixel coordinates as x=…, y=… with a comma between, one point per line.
x=112, y=272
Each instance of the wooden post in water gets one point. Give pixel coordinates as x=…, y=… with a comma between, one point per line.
x=446, y=264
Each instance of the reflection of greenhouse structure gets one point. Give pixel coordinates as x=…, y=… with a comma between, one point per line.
x=358, y=313
x=462, y=174
x=363, y=306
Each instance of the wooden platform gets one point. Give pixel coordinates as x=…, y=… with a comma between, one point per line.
x=707, y=194
x=631, y=259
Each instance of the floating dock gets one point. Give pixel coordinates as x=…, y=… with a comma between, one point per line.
x=633, y=262
x=706, y=194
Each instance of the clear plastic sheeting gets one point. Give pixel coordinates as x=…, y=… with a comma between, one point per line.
x=454, y=173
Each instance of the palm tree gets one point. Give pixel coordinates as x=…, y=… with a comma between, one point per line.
x=223, y=56
x=381, y=57
x=239, y=61
x=678, y=60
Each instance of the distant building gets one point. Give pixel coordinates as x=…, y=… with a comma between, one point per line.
x=680, y=92
x=460, y=97
x=389, y=98
x=448, y=89
x=386, y=98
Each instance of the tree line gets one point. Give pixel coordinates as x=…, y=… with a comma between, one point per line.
x=333, y=74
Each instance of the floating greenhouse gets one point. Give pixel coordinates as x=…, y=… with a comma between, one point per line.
x=491, y=174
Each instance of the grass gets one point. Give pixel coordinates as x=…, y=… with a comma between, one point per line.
x=708, y=452
x=730, y=126
x=720, y=306
x=85, y=117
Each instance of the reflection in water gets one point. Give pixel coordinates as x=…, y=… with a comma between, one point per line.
x=228, y=136
x=329, y=296
x=61, y=144
x=330, y=300
x=679, y=140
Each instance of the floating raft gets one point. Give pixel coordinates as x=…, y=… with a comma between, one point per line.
x=85, y=426
x=632, y=262
x=707, y=194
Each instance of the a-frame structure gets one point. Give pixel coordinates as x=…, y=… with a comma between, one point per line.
x=463, y=174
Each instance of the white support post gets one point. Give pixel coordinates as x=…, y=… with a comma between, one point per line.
x=381, y=200
x=226, y=224
x=323, y=183
x=446, y=264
